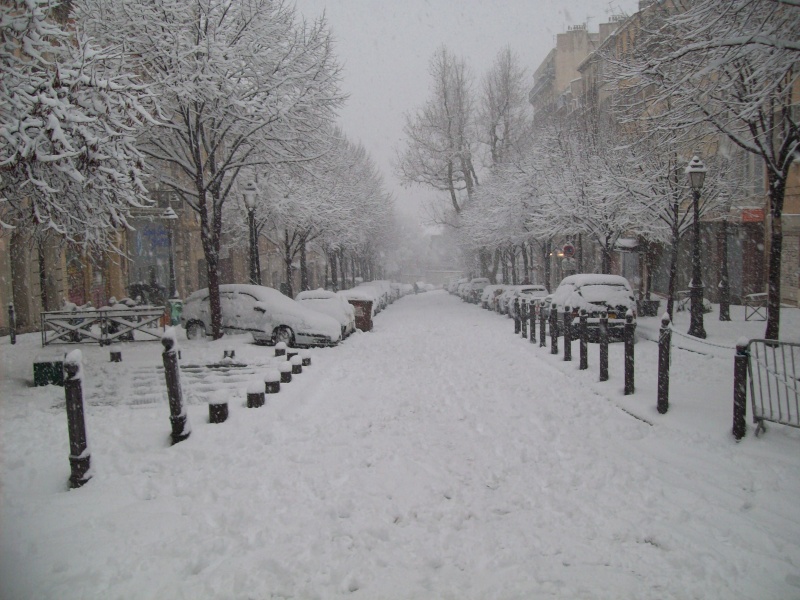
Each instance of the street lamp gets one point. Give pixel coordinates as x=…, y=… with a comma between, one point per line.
x=250, y=193
x=171, y=217
x=696, y=171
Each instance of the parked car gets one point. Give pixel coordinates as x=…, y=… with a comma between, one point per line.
x=527, y=293
x=490, y=293
x=597, y=294
x=331, y=304
x=270, y=316
x=474, y=289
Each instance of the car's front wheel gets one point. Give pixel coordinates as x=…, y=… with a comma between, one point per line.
x=195, y=330
x=283, y=334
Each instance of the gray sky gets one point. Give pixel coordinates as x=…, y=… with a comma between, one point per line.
x=385, y=47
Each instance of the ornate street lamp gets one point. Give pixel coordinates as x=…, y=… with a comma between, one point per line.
x=171, y=217
x=696, y=171
x=250, y=194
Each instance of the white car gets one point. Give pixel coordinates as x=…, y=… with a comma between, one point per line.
x=331, y=304
x=266, y=313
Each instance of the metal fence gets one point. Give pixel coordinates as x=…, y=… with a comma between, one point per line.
x=102, y=326
x=774, y=385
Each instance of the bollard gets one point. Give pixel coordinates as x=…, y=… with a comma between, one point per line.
x=584, y=346
x=628, y=337
x=280, y=349
x=553, y=329
x=115, y=354
x=523, y=318
x=228, y=353
x=217, y=410
x=533, y=307
x=604, y=346
x=740, y=389
x=290, y=354
x=180, y=424
x=79, y=455
x=297, y=365
x=272, y=382
x=542, y=327
x=517, y=325
x=664, y=341
x=286, y=372
x=255, y=394
x=12, y=323
x=567, y=333
x=306, y=356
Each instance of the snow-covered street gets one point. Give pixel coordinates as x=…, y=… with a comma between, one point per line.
x=438, y=456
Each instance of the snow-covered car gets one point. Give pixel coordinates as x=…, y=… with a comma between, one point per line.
x=331, y=304
x=266, y=313
x=490, y=294
x=525, y=292
x=474, y=289
x=597, y=294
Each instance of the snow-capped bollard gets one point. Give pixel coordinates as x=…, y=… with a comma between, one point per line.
x=255, y=394
x=542, y=327
x=180, y=424
x=79, y=455
x=604, y=346
x=297, y=365
x=584, y=335
x=740, y=388
x=115, y=354
x=664, y=342
x=286, y=372
x=533, y=308
x=280, y=349
x=272, y=382
x=290, y=354
x=218, y=409
x=523, y=318
x=228, y=353
x=567, y=333
x=306, y=356
x=628, y=335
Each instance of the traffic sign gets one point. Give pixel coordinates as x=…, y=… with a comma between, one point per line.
x=569, y=250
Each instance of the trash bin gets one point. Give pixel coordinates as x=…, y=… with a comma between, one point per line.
x=174, y=310
x=363, y=313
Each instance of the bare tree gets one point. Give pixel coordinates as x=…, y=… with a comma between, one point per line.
x=243, y=85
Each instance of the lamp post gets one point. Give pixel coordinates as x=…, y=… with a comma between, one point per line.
x=250, y=193
x=171, y=217
x=696, y=171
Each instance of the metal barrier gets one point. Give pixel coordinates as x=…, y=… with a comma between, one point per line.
x=101, y=326
x=774, y=385
x=755, y=307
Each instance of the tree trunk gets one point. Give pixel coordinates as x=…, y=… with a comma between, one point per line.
x=45, y=300
x=673, y=271
x=334, y=271
x=546, y=258
x=210, y=238
x=579, y=253
x=526, y=269
x=303, y=268
x=774, y=279
x=724, y=282
x=512, y=258
x=287, y=263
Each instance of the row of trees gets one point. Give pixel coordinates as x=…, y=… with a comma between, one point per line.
x=715, y=75
x=192, y=96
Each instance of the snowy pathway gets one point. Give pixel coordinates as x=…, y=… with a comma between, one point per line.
x=436, y=457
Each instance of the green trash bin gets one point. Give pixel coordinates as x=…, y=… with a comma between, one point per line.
x=48, y=370
x=174, y=310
